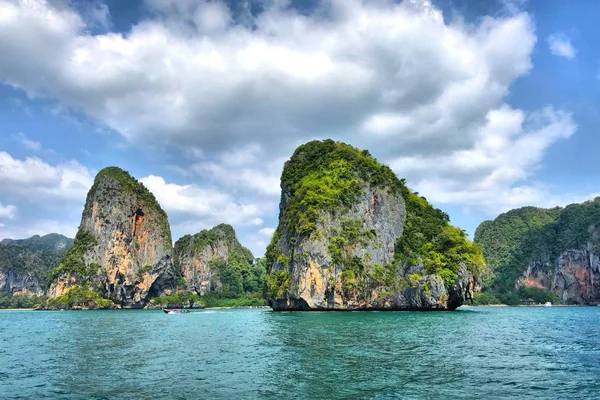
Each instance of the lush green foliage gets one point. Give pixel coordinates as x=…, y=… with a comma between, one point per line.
x=278, y=283
x=191, y=300
x=484, y=298
x=21, y=301
x=245, y=300
x=51, y=241
x=80, y=296
x=179, y=299
x=440, y=246
x=519, y=237
x=129, y=184
x=325, y=176
x=73, y=261
x=503, y=238
x=537, y=294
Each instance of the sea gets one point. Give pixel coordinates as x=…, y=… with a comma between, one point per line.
x=472, y=353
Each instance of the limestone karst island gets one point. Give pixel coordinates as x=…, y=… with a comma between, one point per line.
x=299, y=199
x=351, y=236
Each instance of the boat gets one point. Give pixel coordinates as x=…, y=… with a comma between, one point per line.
x=175, y=311
x=548, y=304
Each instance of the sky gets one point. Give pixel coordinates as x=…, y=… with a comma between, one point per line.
x=481, y=106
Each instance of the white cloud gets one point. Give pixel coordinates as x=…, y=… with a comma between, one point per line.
x=37, y=227
x=560, y=45
x=248, y=168
x=35, y=180
x=8, y=211
x=268, y=232
x=256, y=221
x=290, y=76
x=491, y=175
x=29, y=144
x=207, y=204
x=237, y=93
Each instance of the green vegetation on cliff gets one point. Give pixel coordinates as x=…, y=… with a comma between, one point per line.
x=519, y=237
x=325, y=176
x=85, y=296
x=73, y=262
x=503, y=238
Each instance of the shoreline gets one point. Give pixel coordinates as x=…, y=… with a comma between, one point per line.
x=267, y=307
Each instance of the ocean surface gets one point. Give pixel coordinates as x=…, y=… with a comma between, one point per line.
x=477, y=352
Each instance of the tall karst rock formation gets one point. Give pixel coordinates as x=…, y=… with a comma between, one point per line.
x=352, y=236
x=122, y=250
x=214, y=262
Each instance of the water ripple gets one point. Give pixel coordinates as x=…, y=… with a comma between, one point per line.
x=246, y=354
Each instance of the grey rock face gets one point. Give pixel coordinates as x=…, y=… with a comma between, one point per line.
x=194, y=265
x=317, y=281
x=131, y=254
x=24, y=284
x=574, y=276
x=193, y=256
x=310, y=261
x=24, y=270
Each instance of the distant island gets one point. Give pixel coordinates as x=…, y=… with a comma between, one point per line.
x=351, y=236
x=545, y=255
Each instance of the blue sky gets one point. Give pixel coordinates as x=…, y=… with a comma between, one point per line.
x=481, y=106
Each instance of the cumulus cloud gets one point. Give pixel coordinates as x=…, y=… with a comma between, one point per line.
x=35, y=179
x=237, y=91
x=205, y=203
x=507, y=149
x=244, y=169
x=267, y=231
x=560, y=45
x=8, y=211
x=288, y=78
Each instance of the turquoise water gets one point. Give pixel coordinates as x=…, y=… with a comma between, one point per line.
x=478, y=352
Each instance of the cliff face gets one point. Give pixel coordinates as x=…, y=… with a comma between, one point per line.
x=214, y=261
x=25, y=264
x=123, y=249
x=552, y=249
x=342, y=242
x=19, y=284
x=574, y=276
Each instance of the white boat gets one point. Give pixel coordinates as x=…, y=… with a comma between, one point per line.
x=175, y=311
x=547, y=304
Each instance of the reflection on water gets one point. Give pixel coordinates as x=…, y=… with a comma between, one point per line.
x=231, y=354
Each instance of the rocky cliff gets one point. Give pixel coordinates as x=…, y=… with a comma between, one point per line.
x=552, y=249
x=123, y=249
x=25, y=264
x=352, y=236
x=214, y=262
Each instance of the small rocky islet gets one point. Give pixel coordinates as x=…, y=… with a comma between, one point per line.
x=351, y=236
